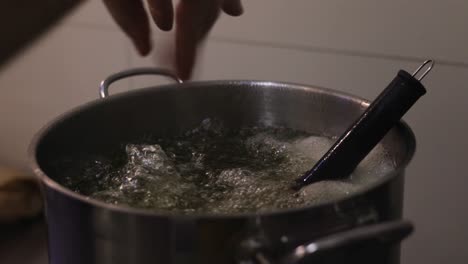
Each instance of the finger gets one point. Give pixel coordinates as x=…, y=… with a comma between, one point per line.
x=130, y=15
x=162, y=12
x=233, y=7
x=194, y=21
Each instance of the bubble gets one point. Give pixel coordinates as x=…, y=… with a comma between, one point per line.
x=218, y=170
x=312, y=147
x=326, y=191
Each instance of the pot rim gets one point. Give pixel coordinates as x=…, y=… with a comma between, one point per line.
x=50, y=183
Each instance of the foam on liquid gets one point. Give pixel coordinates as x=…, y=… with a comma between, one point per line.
x=212, y=169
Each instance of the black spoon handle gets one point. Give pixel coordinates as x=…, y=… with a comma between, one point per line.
x=364, y=134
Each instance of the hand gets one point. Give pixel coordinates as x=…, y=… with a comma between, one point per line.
x=194, y=19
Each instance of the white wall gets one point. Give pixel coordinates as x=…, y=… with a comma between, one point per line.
x=355, y=46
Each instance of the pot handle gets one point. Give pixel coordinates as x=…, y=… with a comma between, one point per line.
x=386, y=233
x=104, y=86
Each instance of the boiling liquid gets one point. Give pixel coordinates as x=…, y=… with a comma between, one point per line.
x=212, y=169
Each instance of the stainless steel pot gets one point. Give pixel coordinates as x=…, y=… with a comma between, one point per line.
x=364, y=227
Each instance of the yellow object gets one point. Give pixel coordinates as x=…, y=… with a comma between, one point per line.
x=19, y=195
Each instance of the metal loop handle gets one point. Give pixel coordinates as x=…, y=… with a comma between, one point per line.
x=386, y=233
x=429, y=64
x=104, y=86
